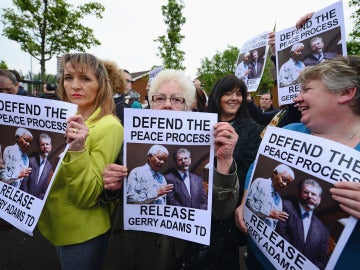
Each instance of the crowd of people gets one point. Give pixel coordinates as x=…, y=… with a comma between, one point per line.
x=83, y=216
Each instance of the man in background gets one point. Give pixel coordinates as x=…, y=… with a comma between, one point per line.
x=8, y=82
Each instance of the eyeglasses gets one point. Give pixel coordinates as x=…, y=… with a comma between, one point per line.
x=128, y=81
x=161, y=98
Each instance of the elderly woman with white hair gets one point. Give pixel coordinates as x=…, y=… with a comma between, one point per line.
x=170, y=90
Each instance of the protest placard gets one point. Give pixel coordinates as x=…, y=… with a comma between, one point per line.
x=251, y=61
x=152, y=139
x=322, y=37
x=289, y=211
x=32, y=144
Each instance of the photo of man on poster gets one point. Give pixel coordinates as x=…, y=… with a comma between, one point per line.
x=145, y=184
x=303, y=229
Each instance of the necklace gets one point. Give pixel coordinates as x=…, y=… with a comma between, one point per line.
x=352, y=135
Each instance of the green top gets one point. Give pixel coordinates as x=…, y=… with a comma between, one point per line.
x=71, y=213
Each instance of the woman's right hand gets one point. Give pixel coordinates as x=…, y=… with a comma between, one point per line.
x=113, y=176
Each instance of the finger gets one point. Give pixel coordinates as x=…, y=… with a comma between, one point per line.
x=347, y=185
x=347, y=202
x=353, y=212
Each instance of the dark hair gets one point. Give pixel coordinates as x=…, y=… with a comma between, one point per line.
x=227, y=84
x=16, y=74
x=201, y=100
x=9, y=74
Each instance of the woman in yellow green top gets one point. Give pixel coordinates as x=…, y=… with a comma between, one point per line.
x=72, y=220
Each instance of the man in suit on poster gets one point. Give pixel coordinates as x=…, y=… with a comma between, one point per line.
x=303, y=229
x=42, y=170
x=255, y=65
x=317, y=53
x=188, y=188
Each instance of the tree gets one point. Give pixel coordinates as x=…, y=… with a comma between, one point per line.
x=3, y=65
x=222, y=63
x=353, y=46
x=171, y=56
x=45, y=28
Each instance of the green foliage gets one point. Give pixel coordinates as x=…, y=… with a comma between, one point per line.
x=268, y=78
x=355, y=34
x=45, y=28
x=221, y=64
x=171, y=56
x=353, y=46
x=3, y=65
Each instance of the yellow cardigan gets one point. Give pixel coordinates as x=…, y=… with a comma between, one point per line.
x=71, y=213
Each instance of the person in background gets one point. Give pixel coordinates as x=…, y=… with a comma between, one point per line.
x=118, y=85
x=95, y=136
x=15, y=163
x=303, y=229
x=169, y=90
x=128, y=82
x=330, y=108
x=21, y=90
x=133, y=99
x=263, y=113
x=200, y=103
x=188, y=188
x=146, y=104
x=8, y=82
x=266, y=103
x=49, y=91
x=197, y=83
x=41, y=169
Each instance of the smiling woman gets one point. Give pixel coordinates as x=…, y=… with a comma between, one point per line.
x=228, y=100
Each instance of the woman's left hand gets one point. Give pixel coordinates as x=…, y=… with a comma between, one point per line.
x=225, y=141
x=76, y=133
x=347, y=194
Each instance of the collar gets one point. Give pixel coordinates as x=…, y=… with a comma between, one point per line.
x=89, y=121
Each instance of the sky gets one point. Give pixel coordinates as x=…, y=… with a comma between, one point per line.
x=128, y=29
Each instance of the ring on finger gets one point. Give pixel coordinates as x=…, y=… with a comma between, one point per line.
x=75, y=130
x=229, y=136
